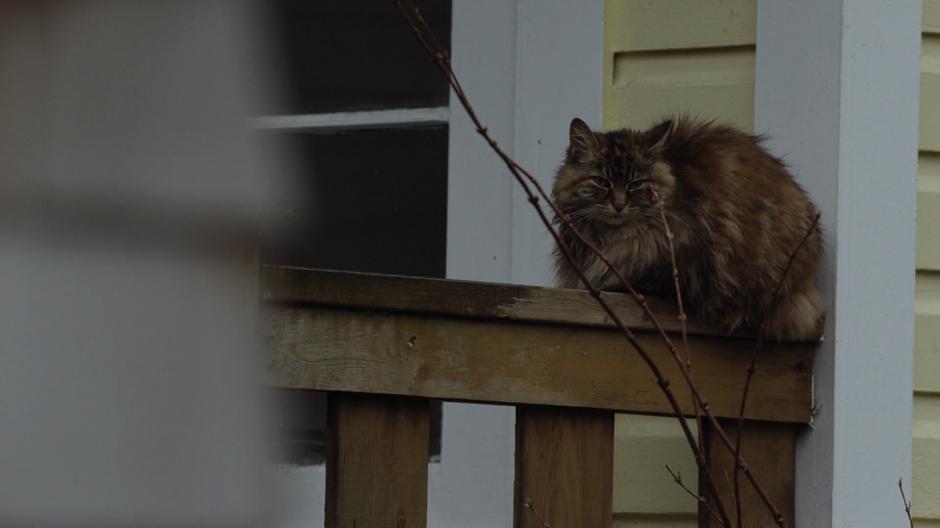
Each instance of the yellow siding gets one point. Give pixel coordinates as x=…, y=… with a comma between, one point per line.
x=928, y=210
x=926, y=459
x=643, y=446
x=669, y=57
x=927, y=341
x=931, y=17
x=694, y=56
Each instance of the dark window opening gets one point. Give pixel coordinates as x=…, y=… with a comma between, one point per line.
x=371, y=200
x=351, y=55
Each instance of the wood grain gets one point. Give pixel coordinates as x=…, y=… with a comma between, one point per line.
x=377, y=462
x=564, y=467
x=338, y=349
x=478, y=300
x=770, y=450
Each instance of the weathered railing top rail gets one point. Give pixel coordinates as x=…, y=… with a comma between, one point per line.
x=457, y=340
x=381, y=346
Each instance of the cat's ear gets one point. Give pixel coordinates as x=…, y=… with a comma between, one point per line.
x=583, y=145
x=659, y=135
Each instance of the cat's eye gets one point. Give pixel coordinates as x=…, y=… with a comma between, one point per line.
x=600, y=181
x=635, y=185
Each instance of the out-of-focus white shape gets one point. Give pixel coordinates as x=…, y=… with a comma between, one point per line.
x=129, y=187
x=130, y=102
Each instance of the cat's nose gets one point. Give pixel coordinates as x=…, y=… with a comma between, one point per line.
x=619, y=207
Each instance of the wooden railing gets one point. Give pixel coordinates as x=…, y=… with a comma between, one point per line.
x=382, y=346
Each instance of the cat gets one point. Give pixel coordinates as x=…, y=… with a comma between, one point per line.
x=736, y=213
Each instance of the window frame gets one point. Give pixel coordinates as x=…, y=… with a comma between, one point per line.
x=338, y=122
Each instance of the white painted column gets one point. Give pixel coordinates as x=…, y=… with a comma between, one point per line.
x=528, y=66
x=837, y=91
x=472, y=484
x=559, y=75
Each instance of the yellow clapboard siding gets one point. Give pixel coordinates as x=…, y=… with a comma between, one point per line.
x=930, y=112
x=928, y=211
x=650, y=25
x=930, y=53
x=925, y=491
x=696, y=67
x=711, y=83
x=926, y=457
x=927, y=336
x=643, y=446
x=930, y=94
x=654, y=521
x=931, y=21
x=644, y=105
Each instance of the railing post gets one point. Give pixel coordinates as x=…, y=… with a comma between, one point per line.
x=769, y=449
x=377, y=461
x=564, y=467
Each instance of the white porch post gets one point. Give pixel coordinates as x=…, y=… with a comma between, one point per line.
x=559, y=75
x=837, y=91
x=472, y=485
x=528, y=66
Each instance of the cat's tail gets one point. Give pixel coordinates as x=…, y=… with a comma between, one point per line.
x=797, y=317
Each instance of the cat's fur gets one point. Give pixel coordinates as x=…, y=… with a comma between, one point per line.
x=736, y=212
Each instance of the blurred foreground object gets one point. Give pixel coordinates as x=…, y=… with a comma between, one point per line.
x=130, y=196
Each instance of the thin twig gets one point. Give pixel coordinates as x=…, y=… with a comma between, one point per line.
x=683, y=318
x=518, y=172
x=661, y=205
x=751, y=366
x=528, y=506
x=524, y=178
x=907, y=504
x=677, y=478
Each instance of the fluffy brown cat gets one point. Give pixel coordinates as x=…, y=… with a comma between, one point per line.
x=736, y=213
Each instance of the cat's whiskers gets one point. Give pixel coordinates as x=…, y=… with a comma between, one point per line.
x=579, y=214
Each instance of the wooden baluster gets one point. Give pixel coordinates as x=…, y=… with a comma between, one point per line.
x=770, y=449
x=564, y=467
x=377, y=461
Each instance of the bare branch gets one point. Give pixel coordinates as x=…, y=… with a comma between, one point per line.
x=682, y=316
x=440, y=57
x=677, y=478
x=661, y=205
x=528, y=506
x=907, y=504
x=751, y=367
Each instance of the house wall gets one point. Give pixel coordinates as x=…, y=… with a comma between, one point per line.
x=668, y=57
x=926, y=445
